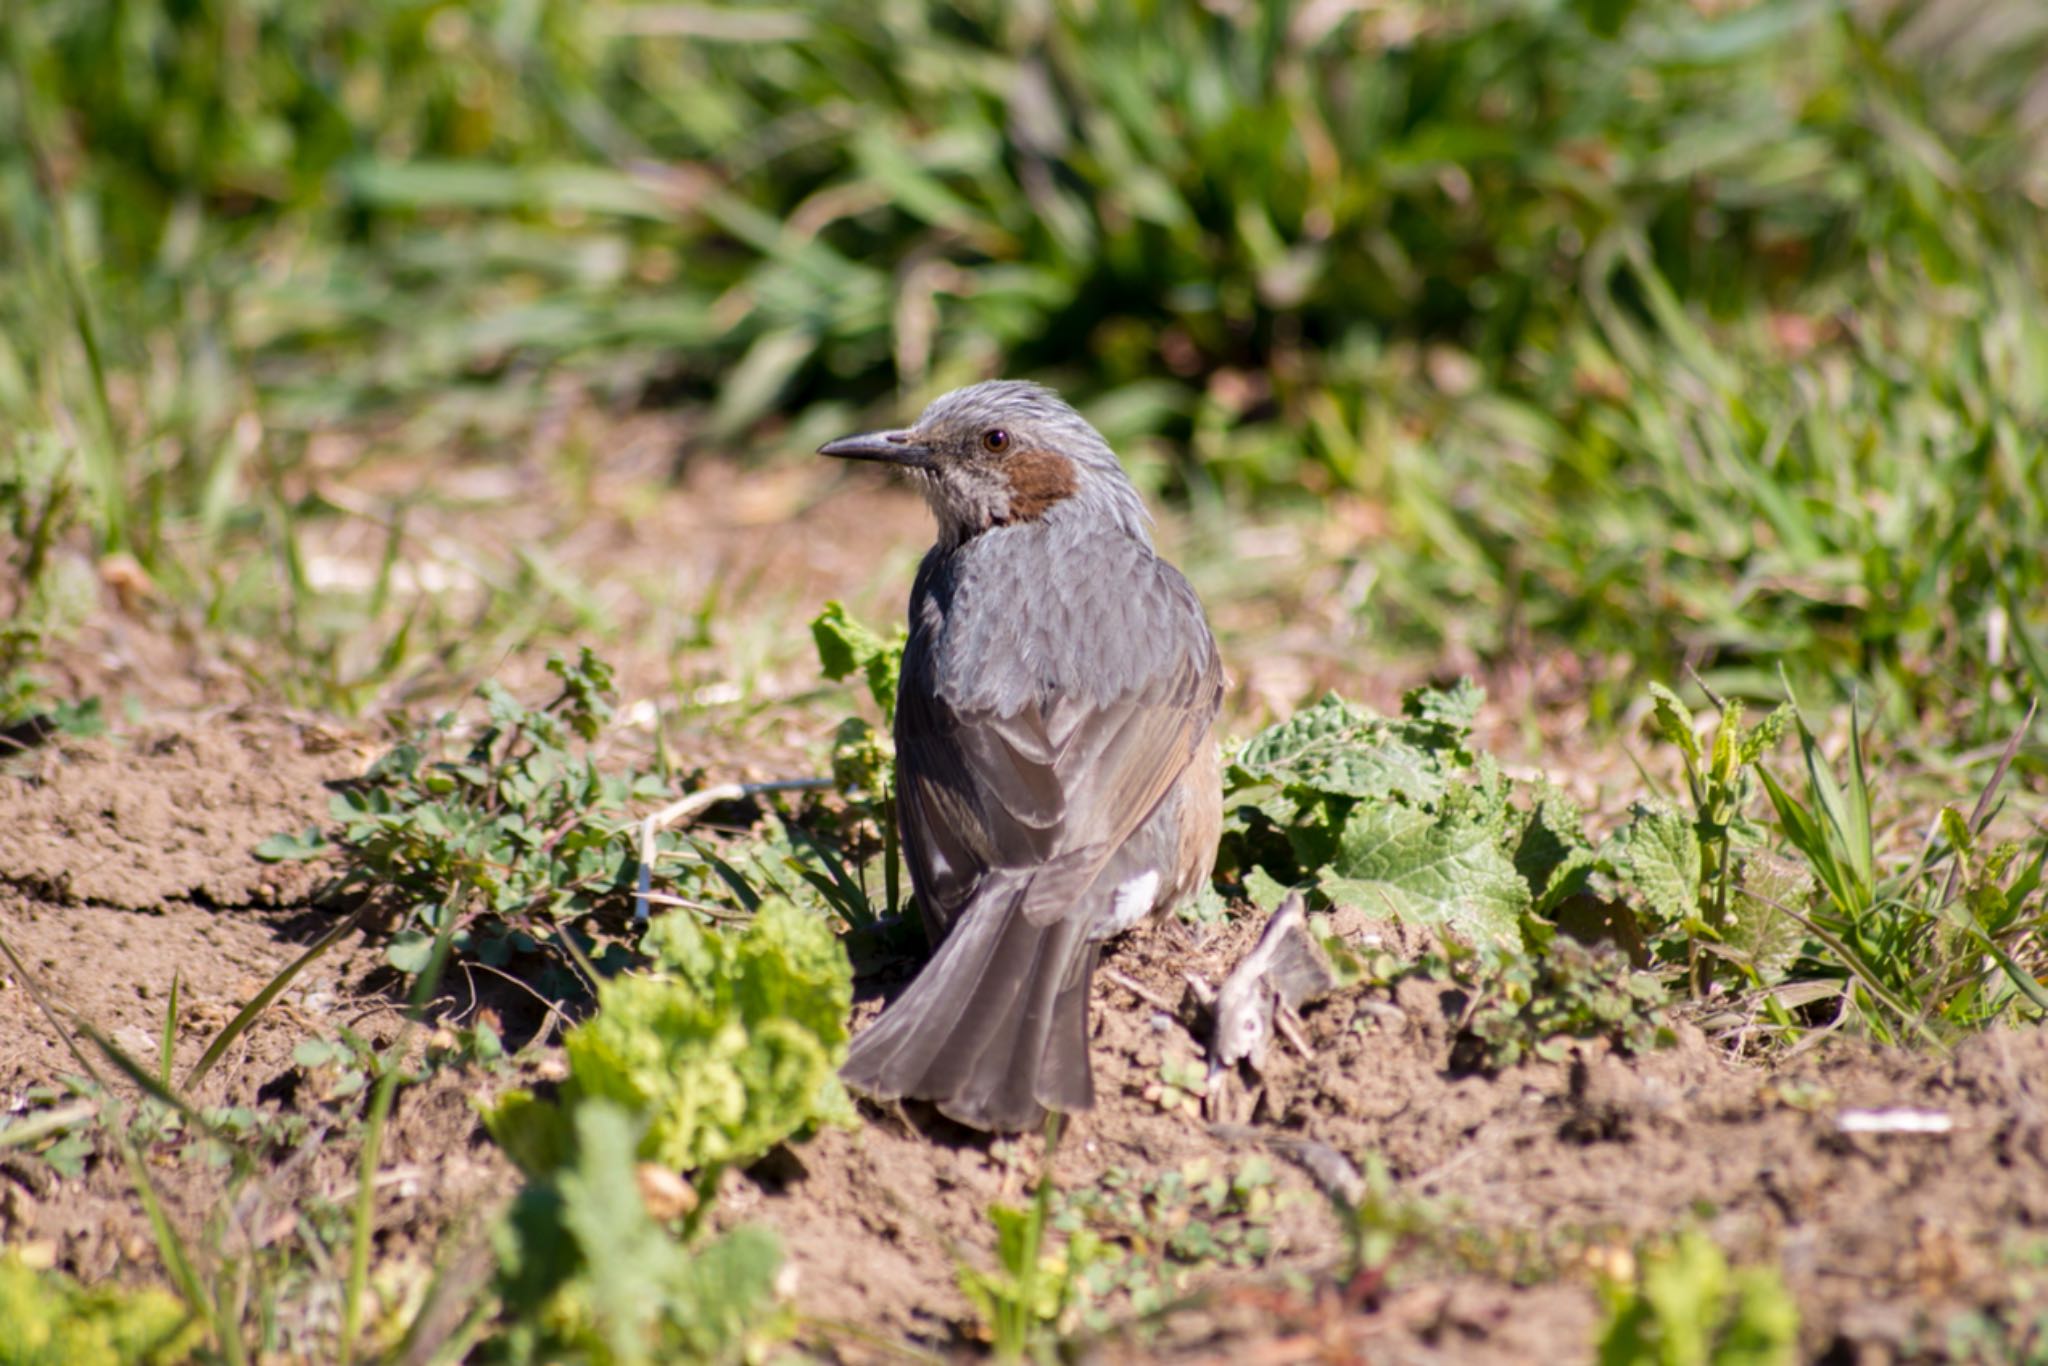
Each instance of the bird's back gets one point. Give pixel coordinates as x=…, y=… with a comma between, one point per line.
x=1054, y=684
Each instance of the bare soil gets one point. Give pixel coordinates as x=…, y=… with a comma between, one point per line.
x=125, y=868
x=125, y=865
x=1537, y=1178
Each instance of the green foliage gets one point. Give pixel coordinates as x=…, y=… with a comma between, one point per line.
x=1659, y=852
x=345, y=1067
x=1520, y=1004
x=56, y=1124
x=1378, y=812
x=1449, y=868
x=1401, y=818
x=1183, y=1082
x=846, y=647
x=50, y=591
x=47, y=1319
x=1727, y=313
x=588, y=1274
x=1686, y=1308
x=1722, y=781
x=1336, y=749
x=1029, y=1290
x=514, y=834
x=1152, y=1238
x=864, y=756
x=1950, y=937
x=726, y=1046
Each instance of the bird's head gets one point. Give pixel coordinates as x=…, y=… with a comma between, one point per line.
x=1001, y=453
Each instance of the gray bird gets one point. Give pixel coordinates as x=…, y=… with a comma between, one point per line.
x=1056, y=778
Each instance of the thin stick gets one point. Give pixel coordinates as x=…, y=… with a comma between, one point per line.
x=688, y=808
x=1290, y=1029
x=1112, y=975
x=1983, y=807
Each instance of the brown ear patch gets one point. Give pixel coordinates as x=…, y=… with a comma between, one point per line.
x=1038, y=479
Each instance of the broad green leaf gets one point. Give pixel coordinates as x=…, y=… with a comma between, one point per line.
x=1757, y=928
x=289, y=848
x=409, y=951
x=1266, y=891
x=1344, y=751
x=1445, y=869
x=1446, y=718
x=1659, y=853
x=1673, y=720
x=730, y=1045
x=1551, y=852
x=846, y=645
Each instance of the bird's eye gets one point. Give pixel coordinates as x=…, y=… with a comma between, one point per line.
x=995, y=438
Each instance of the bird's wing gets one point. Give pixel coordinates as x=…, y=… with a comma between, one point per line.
x=1054, y=785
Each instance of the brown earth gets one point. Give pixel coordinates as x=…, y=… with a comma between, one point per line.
x=1547, y=1171
x=125, y=869
x=125, y=865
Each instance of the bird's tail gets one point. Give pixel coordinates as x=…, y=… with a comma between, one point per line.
x=994, y=1030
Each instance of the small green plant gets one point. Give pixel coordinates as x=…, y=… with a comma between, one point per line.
x=527, y=845
x=1552, y=935
x=1030, y=1291
x=340, y=1068
x=1155, y=1236
x=1522, y=1004
x=1401, y=816
x=1951, y=936
x=1694, y=866
x=863, y=756
x=1183, y=1082
x=1685, y=1307
x=48, y=594
x=47, y=1319
x=56, y=1123
x=587, y=1272
x=1381, y=813
x=727, y=1045
x=514, y=839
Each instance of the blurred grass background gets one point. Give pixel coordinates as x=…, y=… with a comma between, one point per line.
x=1673, y=332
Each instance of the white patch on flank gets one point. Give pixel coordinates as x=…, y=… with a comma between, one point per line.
x=1132, y=902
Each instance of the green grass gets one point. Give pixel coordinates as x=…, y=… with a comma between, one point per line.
x=1654, y=332
x=1677, y=339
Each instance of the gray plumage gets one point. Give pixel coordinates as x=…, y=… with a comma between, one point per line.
x=1056, y=780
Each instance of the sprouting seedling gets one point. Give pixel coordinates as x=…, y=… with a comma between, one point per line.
x=1024, y=1296
x=1720, y=778
x=863, y=759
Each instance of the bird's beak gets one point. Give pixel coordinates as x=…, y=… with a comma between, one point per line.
x=893, y=448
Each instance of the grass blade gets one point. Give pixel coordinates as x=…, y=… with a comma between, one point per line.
x=373, y=1134
x=142, y=1077
x=169, y=1242
x=166, y=1047
x=248, y=1013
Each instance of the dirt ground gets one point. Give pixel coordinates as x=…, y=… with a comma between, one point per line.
x=1540, y=1176
x=125, y=865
